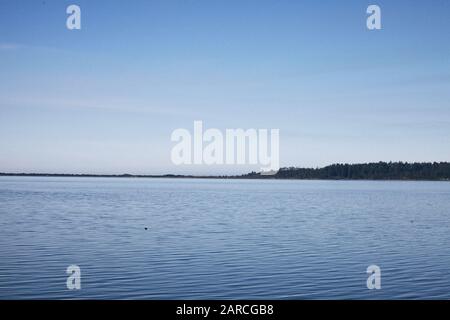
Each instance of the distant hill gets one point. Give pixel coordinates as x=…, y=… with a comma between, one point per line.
x=365, y=171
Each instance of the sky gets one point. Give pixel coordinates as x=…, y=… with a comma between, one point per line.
x=105, y=99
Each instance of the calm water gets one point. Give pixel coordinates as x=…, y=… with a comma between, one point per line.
x=214, y=239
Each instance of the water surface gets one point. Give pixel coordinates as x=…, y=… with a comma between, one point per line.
x=223, y=239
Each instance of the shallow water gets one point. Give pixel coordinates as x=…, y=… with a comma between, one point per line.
x=223, y=239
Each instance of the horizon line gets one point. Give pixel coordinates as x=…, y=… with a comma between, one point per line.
x=173, y=175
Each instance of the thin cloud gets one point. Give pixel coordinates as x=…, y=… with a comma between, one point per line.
x=6, y=46
x=10, y=46
x=118, y=105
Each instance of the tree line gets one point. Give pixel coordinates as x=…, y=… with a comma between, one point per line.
x=366, y=171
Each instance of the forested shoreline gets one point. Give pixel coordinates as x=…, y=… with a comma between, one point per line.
x=361, y=171
x=366, y=171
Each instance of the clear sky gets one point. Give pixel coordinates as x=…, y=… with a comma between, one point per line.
x=106, y=98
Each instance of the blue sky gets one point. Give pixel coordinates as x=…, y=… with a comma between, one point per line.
x=106, y=98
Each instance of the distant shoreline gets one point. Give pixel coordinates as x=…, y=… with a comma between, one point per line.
x=43, y=175
x=82, y=175
x=376, y=171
